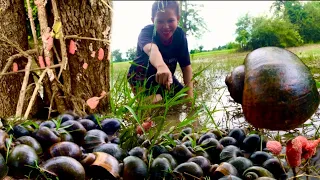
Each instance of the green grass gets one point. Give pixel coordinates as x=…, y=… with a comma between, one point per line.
x=210, y=54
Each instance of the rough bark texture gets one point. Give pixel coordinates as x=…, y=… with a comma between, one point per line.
x=87, y=19
x=13, y=26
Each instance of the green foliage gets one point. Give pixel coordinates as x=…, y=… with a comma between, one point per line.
x=310, y=26
x=116, y=55
x=191, y=21
x=293, y=23
x=131, y=53
x=273, y=32
x=35, y=18
x=243, y=30
x=200, y=48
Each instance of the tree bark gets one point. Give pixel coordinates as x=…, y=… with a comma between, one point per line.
x=13, y=26
x=86, y=19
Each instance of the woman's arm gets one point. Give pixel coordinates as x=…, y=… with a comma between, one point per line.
x=187, y=78
x=163, y=75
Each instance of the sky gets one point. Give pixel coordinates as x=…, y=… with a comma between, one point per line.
x=129, y=17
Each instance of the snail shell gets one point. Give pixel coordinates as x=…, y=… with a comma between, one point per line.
x=105, y=166
x=65, y=149
x=64, y=167
x=32, y=142
x=255, y=172
x=21, y=160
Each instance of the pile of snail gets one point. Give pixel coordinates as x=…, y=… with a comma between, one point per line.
x=83, y=148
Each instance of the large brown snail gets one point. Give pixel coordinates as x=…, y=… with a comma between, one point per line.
x=275, y=88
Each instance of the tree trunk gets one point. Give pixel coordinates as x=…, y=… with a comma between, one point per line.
x=86, y=19
x=13, y=26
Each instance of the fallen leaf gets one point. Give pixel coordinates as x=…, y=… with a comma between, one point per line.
x=93, y=102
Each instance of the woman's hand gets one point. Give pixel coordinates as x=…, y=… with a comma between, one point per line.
x=164, y=76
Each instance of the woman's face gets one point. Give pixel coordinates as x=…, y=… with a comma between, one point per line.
x=166, y=23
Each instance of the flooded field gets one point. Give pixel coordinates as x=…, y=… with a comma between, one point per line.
x=211, y=91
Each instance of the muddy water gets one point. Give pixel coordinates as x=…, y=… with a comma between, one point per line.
x=212, y=91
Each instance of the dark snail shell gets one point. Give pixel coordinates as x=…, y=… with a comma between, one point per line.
x=139, y=152
x=49, y=124
x=251, y=143
x=21, y=160
x=224, y=169
x=113, y=149
x=19, y=130
x=32, y=142
x=188, y=171
x=105, y=166
x=87, y=124
x=94, y=138
x=110, y=126
x=134, y=168
x=46, y=137
x=181, y=153
x=273, y=165
x=230, y=152
x=184, y=132
x=255, y=172
x=203, y=162
x=226, y=141
x=92, y=117
x=235, y=83
x=160, y=168
x=213, y=148
x=64, y=167
x=3, y=167
x=238, y=134
x=76, y=130
x=170, y=158
x=157, y=150
x=66, y=117
x=206, y=136
x=241, y=164
x=279, y=91
x=65, y=135
x=66, y=148
x=259, y=157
